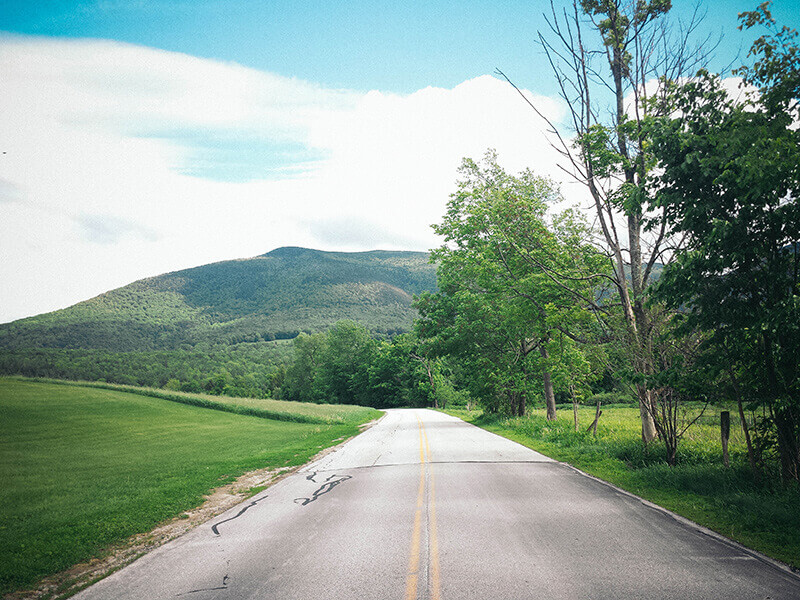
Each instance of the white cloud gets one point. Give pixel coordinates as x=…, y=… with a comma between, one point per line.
x=116, y=158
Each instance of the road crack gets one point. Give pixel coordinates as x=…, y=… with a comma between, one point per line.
x=239, y=514
x=326, y=487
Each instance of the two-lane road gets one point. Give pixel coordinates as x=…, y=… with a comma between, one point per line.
x=423, y=505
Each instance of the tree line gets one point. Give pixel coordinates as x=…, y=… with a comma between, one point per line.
x=250, y=370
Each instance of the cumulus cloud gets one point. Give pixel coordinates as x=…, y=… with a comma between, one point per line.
x=172, y=161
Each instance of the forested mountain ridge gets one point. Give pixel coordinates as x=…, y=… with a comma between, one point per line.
x=272, y=296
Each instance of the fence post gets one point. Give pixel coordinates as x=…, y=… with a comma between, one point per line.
x=725, y=430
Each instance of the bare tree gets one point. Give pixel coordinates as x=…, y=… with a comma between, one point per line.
x=608, y=84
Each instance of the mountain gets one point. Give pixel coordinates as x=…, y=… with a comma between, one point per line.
x=272, y=296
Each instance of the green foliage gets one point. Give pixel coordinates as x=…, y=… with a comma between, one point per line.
x=300, y=381
x=343, y=376
x=510, y=276
x=347, y=366
x=125, y=463
x=399, y=376
x=253, y=370
x=608, y=398
x=597, y=146
x=730, y=184
x=447, y=394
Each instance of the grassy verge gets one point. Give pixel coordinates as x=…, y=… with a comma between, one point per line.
x=278, y=410
x=85, y=468
x=726, y=500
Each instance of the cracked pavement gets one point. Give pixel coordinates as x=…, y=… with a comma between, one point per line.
x=423, y=505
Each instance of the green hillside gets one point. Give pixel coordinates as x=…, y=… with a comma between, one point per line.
x=268, y=297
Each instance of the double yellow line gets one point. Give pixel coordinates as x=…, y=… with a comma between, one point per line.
x=412, y=578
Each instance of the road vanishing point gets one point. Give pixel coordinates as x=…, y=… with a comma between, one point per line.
x=426, y=506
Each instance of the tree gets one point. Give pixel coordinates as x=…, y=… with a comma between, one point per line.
x=485, y=333
x=497, y=263
x=604, y=79
x=343, y=372
x=731, y=186
x=401, y=374
x=301, y=383
x=571, y=372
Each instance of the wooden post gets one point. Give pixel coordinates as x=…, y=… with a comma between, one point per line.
x=593, y=426
x=725, y=430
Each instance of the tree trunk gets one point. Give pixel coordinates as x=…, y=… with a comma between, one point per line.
x=574, y=407
x=427, y=364
x=517, y=404
x=597, y=414
x=549, y=396
x=433, y=385
x=785, y=419
x=751, y=457
x=645, y=412
x=788, y=446
x=672, y=453
x=638, y=327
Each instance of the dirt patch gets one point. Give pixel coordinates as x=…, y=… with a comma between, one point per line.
x=82, y=575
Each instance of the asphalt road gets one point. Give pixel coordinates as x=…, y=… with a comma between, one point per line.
x=423, y=505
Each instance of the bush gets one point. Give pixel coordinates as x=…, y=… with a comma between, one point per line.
x=606, y=398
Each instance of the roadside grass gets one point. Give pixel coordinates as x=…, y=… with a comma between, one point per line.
x=85, y=468
x=765, y=517
x=279, y=410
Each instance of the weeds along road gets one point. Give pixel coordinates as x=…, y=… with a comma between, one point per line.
x=424, y=505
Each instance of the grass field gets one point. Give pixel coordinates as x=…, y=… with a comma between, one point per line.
x=279, y=410
x=85, y=468
x=727, y=500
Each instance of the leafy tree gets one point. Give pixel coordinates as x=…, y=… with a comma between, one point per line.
x=343, y=375
x=572, y=369
x=485, y=334
x=603, y=54
x=300, y=381
x=397, y=376
x=499, y=300
x=217, y=383
x=730, y=186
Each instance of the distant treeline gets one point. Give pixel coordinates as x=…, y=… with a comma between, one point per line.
x=249, y=370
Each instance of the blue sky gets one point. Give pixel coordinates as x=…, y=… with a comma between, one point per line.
x=147, y=136
x=360, y=45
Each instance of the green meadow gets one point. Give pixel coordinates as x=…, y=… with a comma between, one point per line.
x=85, y=468
x=267, y=408
x=764, y=516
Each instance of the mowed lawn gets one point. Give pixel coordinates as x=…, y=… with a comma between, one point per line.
x=85, y=468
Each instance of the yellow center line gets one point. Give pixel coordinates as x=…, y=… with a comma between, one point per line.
x=412, y=578
x=413, y=562
x=434, y=557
